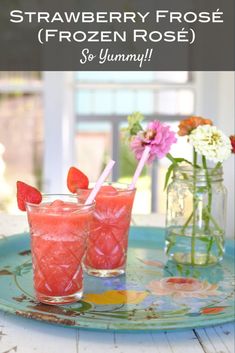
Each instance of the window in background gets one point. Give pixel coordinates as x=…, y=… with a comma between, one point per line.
x=21, y=133
x=93, y=147
x=103, y=101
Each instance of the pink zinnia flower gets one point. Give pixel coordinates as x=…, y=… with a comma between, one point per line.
x=158, y=136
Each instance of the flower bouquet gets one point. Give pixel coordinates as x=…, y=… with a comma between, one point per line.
x=196, y=196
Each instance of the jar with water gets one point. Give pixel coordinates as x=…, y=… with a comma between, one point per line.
x=196, y=216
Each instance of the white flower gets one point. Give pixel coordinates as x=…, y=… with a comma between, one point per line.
x=211, y=143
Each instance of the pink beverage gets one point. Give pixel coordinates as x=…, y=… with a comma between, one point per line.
x=59, y=227
x=108, y=239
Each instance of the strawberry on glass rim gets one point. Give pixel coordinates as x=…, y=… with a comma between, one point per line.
x=27, y=193
x=76, y=179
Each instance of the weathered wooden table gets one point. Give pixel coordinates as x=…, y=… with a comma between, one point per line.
x=27, y=336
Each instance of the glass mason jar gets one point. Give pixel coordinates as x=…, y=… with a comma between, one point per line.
x=196, y=216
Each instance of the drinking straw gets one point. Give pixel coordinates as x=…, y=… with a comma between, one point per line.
x=140, y=166
x=99, y=182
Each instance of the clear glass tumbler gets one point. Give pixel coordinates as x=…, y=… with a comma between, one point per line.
x=108, y=239
x=59, y=227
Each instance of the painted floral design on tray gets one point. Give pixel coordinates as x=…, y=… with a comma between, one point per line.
x=180, y=287
x=112, y=297
x=152, y=263
x=152, y=293
x=213, y=310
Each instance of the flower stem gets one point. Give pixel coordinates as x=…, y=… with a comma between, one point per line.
x=209, y=215
x=188, y=220
x=208, y=184
x=194, y=208
x=218, y=165
x=208, y=209
x=218, y=240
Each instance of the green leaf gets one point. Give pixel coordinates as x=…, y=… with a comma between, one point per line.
x=214, y=170
x=180, y=268
x=83, y=306
x=134, y=125
x=168, y=175
x=171, y=242
x=180, y=160
x=196, y=274
x=135, y=118
x=177, y=160
x=187, y=272
x=204, y=239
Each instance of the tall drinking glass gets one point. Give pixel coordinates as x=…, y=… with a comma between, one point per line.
x=108, y=239
x=59, y=227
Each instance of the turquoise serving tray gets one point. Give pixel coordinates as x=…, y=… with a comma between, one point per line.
x=153, y=295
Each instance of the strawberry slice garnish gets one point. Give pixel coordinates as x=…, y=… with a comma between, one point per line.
x=27, y=193
x=76, y=179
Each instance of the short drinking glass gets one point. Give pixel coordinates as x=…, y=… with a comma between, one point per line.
x=108, y=239
x=59, y=227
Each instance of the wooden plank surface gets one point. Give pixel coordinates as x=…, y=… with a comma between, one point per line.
x=217, y=339
x=27, y=336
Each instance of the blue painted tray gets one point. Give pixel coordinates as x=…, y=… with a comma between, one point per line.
x=153, y=295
